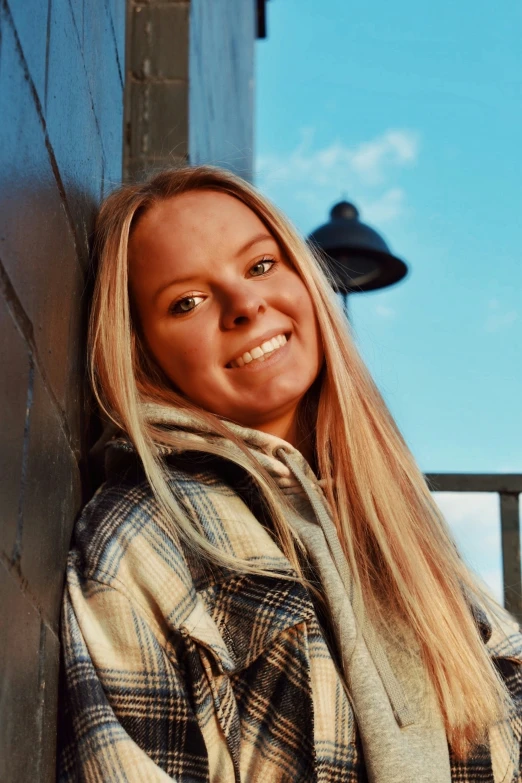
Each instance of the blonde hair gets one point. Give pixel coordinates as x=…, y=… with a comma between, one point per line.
x=403, y=559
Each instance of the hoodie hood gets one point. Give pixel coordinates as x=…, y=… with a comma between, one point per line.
x=265, y=447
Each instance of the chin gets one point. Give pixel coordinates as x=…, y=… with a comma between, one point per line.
x=257, y=416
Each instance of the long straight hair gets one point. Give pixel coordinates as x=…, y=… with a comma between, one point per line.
x=404, y=561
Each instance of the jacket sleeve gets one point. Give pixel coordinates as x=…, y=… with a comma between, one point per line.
x=126, y=713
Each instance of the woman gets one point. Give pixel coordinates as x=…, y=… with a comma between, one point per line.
x=263, y=589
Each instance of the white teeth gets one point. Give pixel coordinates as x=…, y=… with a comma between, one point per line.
x=260, y=351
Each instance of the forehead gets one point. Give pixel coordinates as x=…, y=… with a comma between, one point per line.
x=197, y=221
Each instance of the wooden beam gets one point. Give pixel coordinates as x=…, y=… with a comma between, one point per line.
x=510, y=533
x=475, y=482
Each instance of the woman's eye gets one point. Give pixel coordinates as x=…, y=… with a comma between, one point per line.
x=185, y=305
x=262, y=267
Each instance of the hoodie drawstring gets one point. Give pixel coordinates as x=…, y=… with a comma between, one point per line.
x=391, y=685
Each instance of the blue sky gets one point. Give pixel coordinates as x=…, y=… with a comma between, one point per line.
x=416, y=116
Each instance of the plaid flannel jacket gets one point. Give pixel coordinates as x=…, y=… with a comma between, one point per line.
x=175, y=672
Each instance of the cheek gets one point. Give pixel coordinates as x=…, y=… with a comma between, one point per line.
x=298, y=291
x=305, y=314
x=312, y=337
x=182, y=354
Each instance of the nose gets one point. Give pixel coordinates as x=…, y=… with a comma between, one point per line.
x=241, y=305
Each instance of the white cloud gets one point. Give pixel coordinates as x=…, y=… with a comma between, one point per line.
x=384, y=311
x=394, y=148
x=381, y=209
x=498, y=318
x=474, y=520
x=384, y=208
x=470, y=512
x=368, y=162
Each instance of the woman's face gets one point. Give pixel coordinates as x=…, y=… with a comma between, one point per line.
x=225, y=316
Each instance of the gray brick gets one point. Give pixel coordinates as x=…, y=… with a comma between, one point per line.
x=48, y=686
x=159, y=120
x=20, y=698
x=30, y=18
x=50, y=504
x=14, y=360
x=139, y=169
x=160, y=39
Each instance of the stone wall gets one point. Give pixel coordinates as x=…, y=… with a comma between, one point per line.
x=221, y=74
x=190, y=84
x=61, y=109
x=63, y=65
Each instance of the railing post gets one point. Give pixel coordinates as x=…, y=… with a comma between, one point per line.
x=510, y=531
x=509, y=487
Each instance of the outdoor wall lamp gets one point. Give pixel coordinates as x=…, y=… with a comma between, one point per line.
x=357, y=256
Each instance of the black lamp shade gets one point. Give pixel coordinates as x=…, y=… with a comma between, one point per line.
x=358, y=257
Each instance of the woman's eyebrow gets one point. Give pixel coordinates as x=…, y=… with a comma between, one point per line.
x=175, y=281
x=258, y=238
x=189, y=278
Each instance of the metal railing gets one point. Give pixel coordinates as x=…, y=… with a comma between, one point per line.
x=508, y=487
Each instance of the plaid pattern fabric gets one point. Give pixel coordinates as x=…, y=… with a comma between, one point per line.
x=176, y=671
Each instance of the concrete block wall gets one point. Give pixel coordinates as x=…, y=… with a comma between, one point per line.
x=221, y=74
x=189, y=84
x=61, y=109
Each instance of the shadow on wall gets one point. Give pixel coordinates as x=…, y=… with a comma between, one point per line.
x=60, y=144
x=43, y=475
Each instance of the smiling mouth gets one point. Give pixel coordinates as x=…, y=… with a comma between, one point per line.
x=260, y=353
